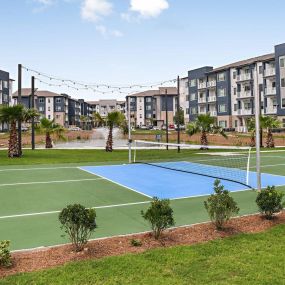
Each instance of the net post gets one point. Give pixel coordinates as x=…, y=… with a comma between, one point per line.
x=247, y=168
x=129, y=129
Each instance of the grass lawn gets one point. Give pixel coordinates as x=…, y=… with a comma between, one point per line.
x=242, y=259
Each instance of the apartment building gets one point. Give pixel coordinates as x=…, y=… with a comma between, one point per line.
x=5, y=93
x=103, y=107
x=228, y=92
x=149, y=107
x=184, y=97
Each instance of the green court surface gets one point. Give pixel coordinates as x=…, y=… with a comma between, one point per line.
x=33, y=195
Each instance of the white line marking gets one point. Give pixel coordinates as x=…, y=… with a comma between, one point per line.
x=115, y=182
x=56, y=212
x=50, y=182
x=44, y=168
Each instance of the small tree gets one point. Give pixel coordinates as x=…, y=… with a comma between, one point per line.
x=269, y=123
x=159, y=215
x=220, y=205
x=269, y=201
x=5, y=255
x=78, y=223
x=179, y=117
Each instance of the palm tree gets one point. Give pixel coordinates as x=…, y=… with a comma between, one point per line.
x=113, y=119
x=269, y=123
x=97, y=119
x=204, y=124
x=250, y=124
x=12, y=115
x=49, y=127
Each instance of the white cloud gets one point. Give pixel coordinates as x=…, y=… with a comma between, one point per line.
x=94, y=10
x=105, y=32
x=148, y=8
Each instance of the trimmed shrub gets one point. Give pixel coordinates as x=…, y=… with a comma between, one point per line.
x=78, y=223
x=136, y=242
x=269, y=201
x=5, y=255
x=159, y=215
x=220, y=205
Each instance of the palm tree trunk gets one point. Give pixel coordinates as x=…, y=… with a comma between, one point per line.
x=13, y=149
x=204, y=140
x=109, y=144
x=48, y=140
x=269, y=139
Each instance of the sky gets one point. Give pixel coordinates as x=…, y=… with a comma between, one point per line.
x=126, y=42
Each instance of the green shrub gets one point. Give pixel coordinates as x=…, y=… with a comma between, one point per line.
x=78, y=223
x=5, y=255
x=159, y=215
x=220, y=205
x=269, y=201
x=136, y=242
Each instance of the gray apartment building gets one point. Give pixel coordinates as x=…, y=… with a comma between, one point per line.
x=5, y=93
x=105, y=106
x=228, y=92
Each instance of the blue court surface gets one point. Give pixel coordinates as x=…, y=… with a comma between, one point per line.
x=153, y=181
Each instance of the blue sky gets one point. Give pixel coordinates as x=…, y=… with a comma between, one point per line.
x=133, y=41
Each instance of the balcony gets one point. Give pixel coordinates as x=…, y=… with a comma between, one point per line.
x=213, y=113
x=269, y=72
x=212, y=99
x=244, y=77
x=202, y=85
x=202, y=111
x=202, y=100
x=271, y=110
x=245, y=112
x=244, y=94
x=211, y=84
x=270, y=91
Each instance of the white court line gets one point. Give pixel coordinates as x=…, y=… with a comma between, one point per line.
x=114, y=182
x=43, y=168
x=50, y=182
x=56, y=212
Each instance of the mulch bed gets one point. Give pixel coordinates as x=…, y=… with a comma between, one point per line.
x=27, y=261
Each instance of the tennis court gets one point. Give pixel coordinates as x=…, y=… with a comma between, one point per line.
x=32, y=196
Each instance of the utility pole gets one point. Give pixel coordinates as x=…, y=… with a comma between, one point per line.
x=166, y=116
x=20, y=102
x=178, y=112
x=33, y=106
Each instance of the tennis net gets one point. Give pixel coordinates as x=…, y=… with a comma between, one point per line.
x=222, y=162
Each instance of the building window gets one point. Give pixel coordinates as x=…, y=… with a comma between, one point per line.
x=49, y=109
x=235, y=107
x=57, y=116
x=236, y=123
x=148, y=108
x=187, y=97
x=282, y=62
x=222, y=108
x=48, y=100
x=283, y=103
x=186, y=84
x=282, y=82
x=223, y=124
x=247, y=88
x=140, y=116
x=193, y=110
x=49, y=117
x=221, y=92
x=221, y=76
x=148, y=100
x=193, y=97
x=58, y=108
x=58, y=100
x=5, y=84
x=192, y=82
x=260, y=69
x=235, y=91
x=234, y=75
x=187, y=111
x=41, y=109
x=41, y=100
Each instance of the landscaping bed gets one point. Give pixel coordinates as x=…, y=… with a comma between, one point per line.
x=27, y=261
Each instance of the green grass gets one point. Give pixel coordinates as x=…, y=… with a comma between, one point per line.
x=242, y=259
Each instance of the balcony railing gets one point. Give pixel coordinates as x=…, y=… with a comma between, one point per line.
x=270, y=91
x=244, y=94
x=211, y=83
x=244, y=77
x=245, y=112
x=202, y=111
x=213, y=113
x=271, y=110
x=202, y=100
x=212, y=99
x=202, y=85
x=269, y=72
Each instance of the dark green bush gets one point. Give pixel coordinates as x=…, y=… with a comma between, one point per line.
x=5, y=255
x=78, y=223
x=136, y=242
x=159, y=215
x=220, y=205
x=269, y=201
